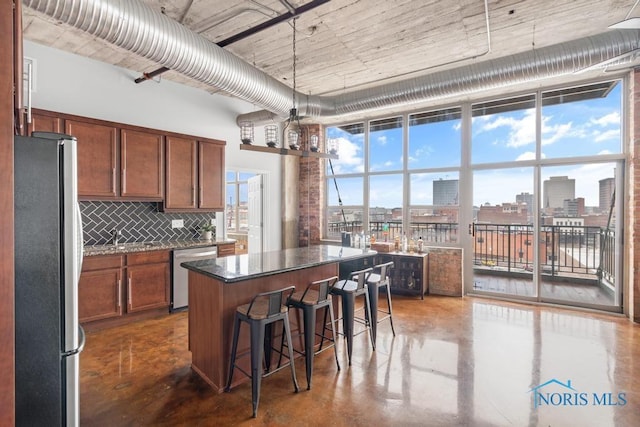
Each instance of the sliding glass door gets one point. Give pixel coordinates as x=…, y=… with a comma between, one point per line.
x=545, y=172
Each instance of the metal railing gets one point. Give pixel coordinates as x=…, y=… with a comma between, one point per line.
x=431, y=232
x=571, y=251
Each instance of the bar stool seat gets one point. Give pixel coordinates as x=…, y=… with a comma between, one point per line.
x=260, y=314
x=379, y=278
x=348, y=290
x=315, y=297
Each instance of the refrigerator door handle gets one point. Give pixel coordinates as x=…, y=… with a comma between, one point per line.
x=79, y=232
x=80, y=345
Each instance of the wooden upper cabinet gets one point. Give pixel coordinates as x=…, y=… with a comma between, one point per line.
x=211, y=175
x=181, y=175
x=44, y=123
x=142, y=165
x=97, y=159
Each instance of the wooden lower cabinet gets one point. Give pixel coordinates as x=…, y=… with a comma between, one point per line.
x=100, y=288
x=148, y=281
x=114, y=286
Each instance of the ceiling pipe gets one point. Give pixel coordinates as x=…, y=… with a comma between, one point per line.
x=133, y=26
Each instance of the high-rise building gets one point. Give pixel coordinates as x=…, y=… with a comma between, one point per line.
x=574, y=207
x=556, y=190
x=525, y=198
x=607, y=187
x=445, y=192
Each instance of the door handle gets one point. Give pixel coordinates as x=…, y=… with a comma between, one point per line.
x=119, y=292
x=472, y=230
x=129, y=291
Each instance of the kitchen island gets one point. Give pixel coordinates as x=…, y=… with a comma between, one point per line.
x=218, y=285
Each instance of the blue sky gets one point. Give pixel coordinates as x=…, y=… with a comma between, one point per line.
x=583, y=128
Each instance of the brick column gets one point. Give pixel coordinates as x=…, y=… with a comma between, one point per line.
x=311, y=184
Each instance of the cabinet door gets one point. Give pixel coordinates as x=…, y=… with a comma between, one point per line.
x=142, y=160
x=211, y=175
x=147, y=287
x=97, y=159
x=44, y=123
x=181, y=173
x=100, y=294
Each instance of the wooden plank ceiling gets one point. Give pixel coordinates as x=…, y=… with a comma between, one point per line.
x=350, y=44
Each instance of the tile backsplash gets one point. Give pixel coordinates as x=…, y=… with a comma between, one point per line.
x=137, y=222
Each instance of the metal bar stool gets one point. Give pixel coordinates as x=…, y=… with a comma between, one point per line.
x=314, y=297
x=260, y=314
x=348, y=290
x=379, y=278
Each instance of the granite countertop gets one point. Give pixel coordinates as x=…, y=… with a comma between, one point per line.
x=237, y=268
x=125, y=248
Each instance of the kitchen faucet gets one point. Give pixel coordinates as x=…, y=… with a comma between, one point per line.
x=115, y=235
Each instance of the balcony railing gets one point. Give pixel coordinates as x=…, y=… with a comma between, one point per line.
x=579, y=252
x=432, y=232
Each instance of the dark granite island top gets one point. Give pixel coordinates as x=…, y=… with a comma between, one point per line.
x=217, y=286
x=238, y=268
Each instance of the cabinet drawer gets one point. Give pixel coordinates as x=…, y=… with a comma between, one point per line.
x=100, y=262
x=226, y=249
x=148, y=257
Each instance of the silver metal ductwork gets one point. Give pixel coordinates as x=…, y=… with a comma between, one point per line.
x=132, y=25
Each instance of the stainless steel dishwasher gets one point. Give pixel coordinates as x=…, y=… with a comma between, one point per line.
x=180, y=288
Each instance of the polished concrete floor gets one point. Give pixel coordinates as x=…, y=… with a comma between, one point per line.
x=455, y=361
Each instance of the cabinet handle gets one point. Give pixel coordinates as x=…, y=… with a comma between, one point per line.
x=119, y=292
x=201, y=195
x=113, y=179
x=124, y=180
x=193, y=195
x=129, y=291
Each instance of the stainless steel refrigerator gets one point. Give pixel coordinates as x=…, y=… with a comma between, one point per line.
x=48, y=257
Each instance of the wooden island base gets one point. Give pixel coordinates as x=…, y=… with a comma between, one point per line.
x=212, y=305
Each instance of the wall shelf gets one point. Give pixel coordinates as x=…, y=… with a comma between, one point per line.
x=286, y=151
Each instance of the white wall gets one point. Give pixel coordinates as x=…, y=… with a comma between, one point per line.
x=72, y=84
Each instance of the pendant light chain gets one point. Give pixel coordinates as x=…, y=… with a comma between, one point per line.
x=294, y=62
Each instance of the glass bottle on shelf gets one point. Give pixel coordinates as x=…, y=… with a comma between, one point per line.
x=420, y=245
x=405, y=243
x=412, y=245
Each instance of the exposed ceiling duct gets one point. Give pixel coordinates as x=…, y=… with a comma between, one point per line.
x=133, y=26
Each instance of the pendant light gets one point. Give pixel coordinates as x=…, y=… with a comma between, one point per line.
x=292, y=131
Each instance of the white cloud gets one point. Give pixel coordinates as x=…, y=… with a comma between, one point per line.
x=527, y=155
x=521, y=131
x=551, y=134
x=612, y=118
x=608, y=135
x=382, y=140
x=350, y=157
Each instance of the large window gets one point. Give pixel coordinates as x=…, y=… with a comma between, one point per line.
x=504, y=130
x=398, y=191
x=345, y=185
x=237, y=200
x=434, y=139
x=552, y=225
